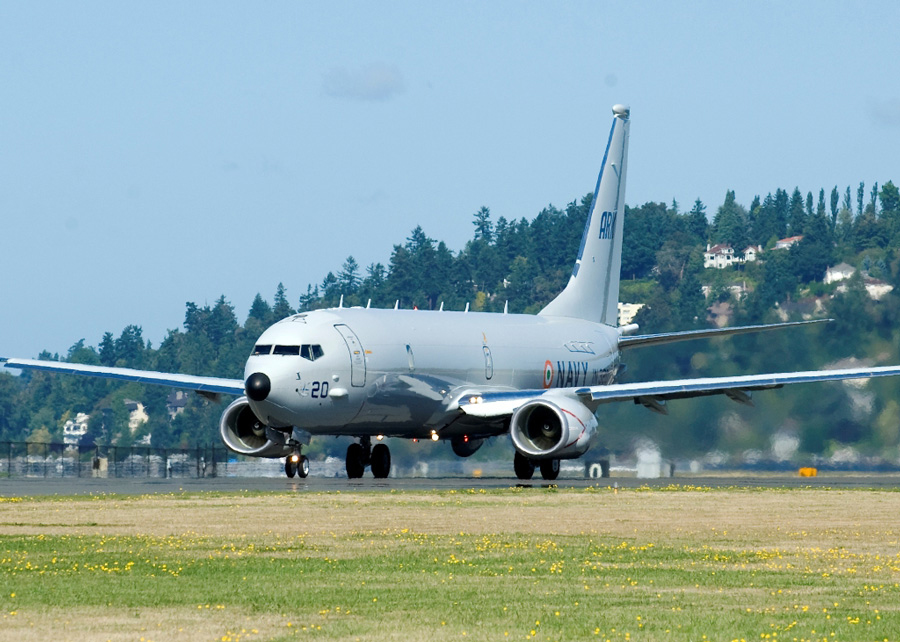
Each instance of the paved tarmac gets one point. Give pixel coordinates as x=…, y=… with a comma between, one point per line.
x=25, y=486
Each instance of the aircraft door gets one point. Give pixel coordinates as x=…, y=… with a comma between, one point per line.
x=357, y=355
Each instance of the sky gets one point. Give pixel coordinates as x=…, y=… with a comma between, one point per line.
x=153, y=154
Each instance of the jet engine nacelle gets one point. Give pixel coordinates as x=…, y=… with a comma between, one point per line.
x=245, y=434
x=559, y=429
x=465, y=446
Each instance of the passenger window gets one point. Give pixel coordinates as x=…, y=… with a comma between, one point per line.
x=262, y=349
x=287, y=350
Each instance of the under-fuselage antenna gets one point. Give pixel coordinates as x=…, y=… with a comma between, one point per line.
x=506, y=307
x=341, y=302
x=442, y=307
x=397, y=304
x=368, y=304
x=467, y=306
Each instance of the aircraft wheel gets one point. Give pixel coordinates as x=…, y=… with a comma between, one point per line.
x=550, y=469
x=355, y=465
x=523, y=466
x=290, y=468
x=381, y=461
x=303, y=466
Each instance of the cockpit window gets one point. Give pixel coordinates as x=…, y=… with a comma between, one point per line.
x=287, y=350
x=311, y=352
x=307, y=351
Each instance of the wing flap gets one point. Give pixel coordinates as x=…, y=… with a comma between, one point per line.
x=206, y=385
x=653, y=394
x=734, y=387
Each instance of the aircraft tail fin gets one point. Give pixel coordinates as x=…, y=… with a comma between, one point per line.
x=593, y=289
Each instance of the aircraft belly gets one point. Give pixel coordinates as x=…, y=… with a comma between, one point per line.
x=404, y=402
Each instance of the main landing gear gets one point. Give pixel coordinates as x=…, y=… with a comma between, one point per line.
x=296, y=464
x=524, y=467
x=363, y=454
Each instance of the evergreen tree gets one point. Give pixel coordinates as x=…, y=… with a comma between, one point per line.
x=769, y=222
x=813, y=254
x=281, y=309
x=697, y=223
x=730, y=223
x=483, y=227
x=835, y=199
x=108, y=350
x=260, y=311
x=348, y=279
x=797, y=216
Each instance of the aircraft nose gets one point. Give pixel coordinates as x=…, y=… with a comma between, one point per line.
x=258, y=386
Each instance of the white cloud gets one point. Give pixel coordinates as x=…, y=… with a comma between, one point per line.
x=377, y=81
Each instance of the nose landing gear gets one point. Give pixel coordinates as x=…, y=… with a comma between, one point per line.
x=362, y=454
x=296, y=464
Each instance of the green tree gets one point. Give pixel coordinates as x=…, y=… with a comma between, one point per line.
x=797, y=216
x=349, y=279
x=484, y=229
x=281, y=308
x=835, y=199
x=697, y=223
x=730, y=223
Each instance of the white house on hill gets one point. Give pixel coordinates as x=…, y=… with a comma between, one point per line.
x=783, y=244
x=839, y=272
x=723, y=255
x=718, y=256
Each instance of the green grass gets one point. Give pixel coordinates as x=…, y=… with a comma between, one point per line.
x=412, y=582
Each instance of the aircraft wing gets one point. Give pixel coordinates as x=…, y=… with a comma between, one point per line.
x=654, y=394
x=672, y=337
x=204, y=385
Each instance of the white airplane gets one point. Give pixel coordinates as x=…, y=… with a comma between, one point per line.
x=459, y=376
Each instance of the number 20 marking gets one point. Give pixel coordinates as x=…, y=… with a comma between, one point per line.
x=319, y=389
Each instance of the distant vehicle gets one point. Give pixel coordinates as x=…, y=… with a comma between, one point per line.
x=459, y=376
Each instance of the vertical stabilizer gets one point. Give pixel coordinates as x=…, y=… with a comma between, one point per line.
x=593, y=289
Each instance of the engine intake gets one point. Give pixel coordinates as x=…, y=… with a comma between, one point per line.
x=245, y=434
x=560, y=429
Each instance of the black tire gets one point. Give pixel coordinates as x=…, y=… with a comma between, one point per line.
x=381, y=461
x=303, y=467
x=290, y=468
x=523, y=466
x=355, y=465
x=550, y=469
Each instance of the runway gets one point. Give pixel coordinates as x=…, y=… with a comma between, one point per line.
x=25, y=487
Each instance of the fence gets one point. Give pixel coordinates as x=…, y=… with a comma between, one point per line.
x=21, y=459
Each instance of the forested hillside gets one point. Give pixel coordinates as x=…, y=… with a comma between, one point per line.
x=523, y=263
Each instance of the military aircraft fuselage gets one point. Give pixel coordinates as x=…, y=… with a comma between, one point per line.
x=359, y=371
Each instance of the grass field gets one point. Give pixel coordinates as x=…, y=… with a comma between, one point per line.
x=677, y=563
